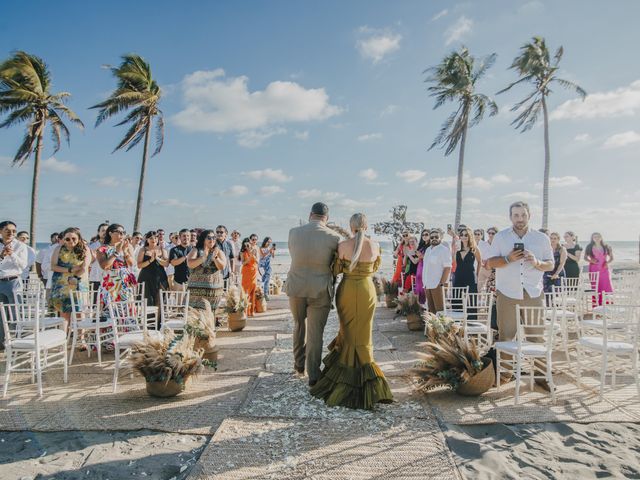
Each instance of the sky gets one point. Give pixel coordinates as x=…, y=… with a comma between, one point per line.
x=271, y=106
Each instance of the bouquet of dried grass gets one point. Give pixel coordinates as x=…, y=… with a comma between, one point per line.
x=390, y=288
x=339, y=230
x=259, y=294
x=448, y=360
x=377, y=283
x=167, y=358
x=277, y=281
x=236, y=300
x=201, y=323
x=409, y=305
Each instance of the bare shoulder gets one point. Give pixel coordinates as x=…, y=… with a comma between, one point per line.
x=345, y=246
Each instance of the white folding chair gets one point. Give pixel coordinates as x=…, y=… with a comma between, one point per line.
x=174, y=308
x=27, y=347
x=34, y=292
x=129, y=327
x=532, y=348
x=479, y=305
x=455, y=303
x=566, y=315
x=87, y=324
x=618, y=337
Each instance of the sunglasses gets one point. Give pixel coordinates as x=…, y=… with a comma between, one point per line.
x=425, y=234
x=435, y=237
x=477, y=233
x=491, y=233
x=211, y=237
x=119, y=232
x=464, y=235
x=254, y=239
x=70, y=239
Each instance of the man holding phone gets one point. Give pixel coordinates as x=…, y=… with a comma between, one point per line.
x=520, y=256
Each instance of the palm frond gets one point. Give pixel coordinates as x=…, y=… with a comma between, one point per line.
x=159, y=134
x=571, y=86
x=131, y=134
x=18, y=116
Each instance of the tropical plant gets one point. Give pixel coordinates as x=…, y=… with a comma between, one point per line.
x=139, y=95
x=26, y=97
x=534, y=65
x=390, y=287
x=455, y=79
x=448, y=360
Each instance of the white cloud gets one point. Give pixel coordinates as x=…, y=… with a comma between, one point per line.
x=439, y=15
x=68, y=198
x=302, y=135
x=269, y=174
x=376, y=44
x=108, y=182
x=568, y=181
x=411, y=176
x=52, y=164
x=319, y=194
x=367, y=137
x=452, y=201
x=353, y=204
x=458, y=30
x=270, y=190
x=621, y=102
x=520, y=196
x=622, y=139
x=219, y=104
x=389, y=110
x=173, y=203
x=501, y=178
x=256, y=138
x=582, y=137
x=235, y=191
x=368, y=174
x=443, y=183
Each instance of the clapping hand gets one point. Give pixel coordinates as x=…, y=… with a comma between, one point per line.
x=7, y=251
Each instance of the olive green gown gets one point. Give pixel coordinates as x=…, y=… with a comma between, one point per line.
x=350, y=377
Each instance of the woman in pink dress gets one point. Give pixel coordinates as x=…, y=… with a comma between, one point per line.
x=599, y=255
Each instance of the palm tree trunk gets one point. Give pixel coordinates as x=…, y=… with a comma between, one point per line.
x=463, y=141
x=34, y=191
x=547, y=166
x=143, y=170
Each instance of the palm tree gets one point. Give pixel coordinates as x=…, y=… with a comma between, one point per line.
x=139, y=93
x=534, y=65
x=25, y=96
x=454, y=79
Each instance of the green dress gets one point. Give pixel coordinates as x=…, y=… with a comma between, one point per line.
x=350, y=377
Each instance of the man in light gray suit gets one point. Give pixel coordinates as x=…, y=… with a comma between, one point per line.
x=310, y=288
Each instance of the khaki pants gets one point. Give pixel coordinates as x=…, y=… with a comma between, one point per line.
x=179, y=287
x=506, y=309
x=435, y=299
x=309, y=317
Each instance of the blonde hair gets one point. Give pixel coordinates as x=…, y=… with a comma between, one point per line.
x=358, y=224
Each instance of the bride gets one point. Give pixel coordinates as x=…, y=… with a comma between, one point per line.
x=351, y=378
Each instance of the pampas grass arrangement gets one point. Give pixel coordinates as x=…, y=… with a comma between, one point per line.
x=167, y=358
x=236, y=300
x=408, y=305
x=201, y=323
x=339, y=230
x=448, y=359
x=389, y=287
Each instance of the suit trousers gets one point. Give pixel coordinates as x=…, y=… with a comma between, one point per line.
x=10, y=292
x=309, y=319
x=506, y=308
x=435, y=299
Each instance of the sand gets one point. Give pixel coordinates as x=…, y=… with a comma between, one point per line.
x=546, y=450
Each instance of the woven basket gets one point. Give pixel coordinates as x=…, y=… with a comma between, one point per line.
x=261, y=306
x=209, y=347
x=480, y=382
x=415, y=322
x=390, y=300
x=237, y=321
x=277, y=290
x=167, y=389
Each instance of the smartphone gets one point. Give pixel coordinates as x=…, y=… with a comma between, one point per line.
x=274, y=246
x=518, y=247
x=449, y=227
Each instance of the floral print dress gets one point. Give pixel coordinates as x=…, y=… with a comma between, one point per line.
x=117, y=283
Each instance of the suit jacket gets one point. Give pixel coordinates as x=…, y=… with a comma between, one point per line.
x=312, y=248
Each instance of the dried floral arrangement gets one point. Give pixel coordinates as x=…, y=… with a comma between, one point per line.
x=236, y=300
x=408, y=304
x=377, y=283
x=259, y=294
x=201, y=323
x=277, y=281
x=344, y=233
x=389, y=287
x=167, y=358
x=448, y=360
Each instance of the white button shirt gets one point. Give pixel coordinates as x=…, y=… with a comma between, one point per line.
x=13, y=265
x=95, y=272
x=436, y=259
x=513, y=279
x=31, y=259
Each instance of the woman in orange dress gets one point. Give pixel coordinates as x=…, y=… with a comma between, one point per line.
x=249, y=257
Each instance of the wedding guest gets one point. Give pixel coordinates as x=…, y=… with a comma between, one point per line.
x=422, y=247
x=468, y=261
x=249, y=256
x=484, y=246
x=267, y=252
x=43, y=260
x=70, y=267
x=411, y=260
x=152, y=260
x=206, y=261
x=95, y=272
x=178, y=258
x=599, y=255
x=574, y=253
x=194, y=237
x=236, y=242
x=519, y=271
x=137, y=243
x=227, y=247
x=31, y=255
x=115, y=257
x=399, y=256
x=553, y=277
x=169, y=270
x=436, y=271
x=13, y=261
